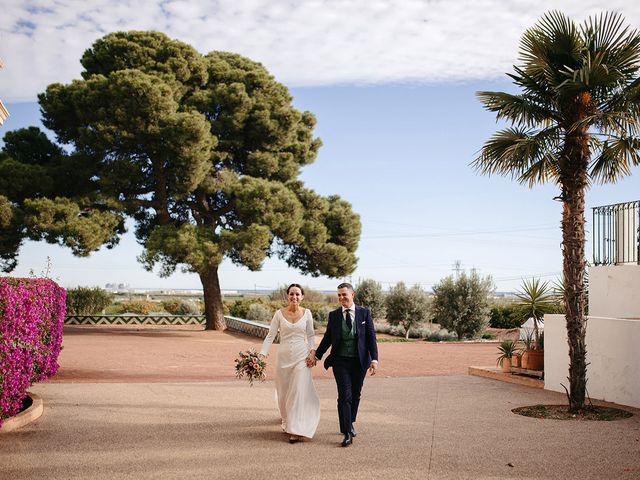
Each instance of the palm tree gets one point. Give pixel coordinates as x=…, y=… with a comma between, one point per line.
x=575, y=121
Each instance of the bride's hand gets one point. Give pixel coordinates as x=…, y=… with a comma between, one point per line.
x=311, y=359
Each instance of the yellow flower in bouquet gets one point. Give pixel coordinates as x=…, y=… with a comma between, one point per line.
x=249, y=364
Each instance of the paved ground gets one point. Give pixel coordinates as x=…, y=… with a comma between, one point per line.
x=437, y=425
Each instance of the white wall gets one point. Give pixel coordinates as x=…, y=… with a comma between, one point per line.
x=613, y=373
x=614, y=291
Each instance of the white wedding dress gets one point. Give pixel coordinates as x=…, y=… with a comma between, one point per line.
x=297, y=398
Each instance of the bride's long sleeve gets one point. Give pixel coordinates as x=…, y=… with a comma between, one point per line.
x=311, y=338
x=273, y=331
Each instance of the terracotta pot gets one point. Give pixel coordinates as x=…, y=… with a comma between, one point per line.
x=515, y=361
x=506, y=365
x=535, y=360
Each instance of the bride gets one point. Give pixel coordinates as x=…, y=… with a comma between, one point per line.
x=298, y=401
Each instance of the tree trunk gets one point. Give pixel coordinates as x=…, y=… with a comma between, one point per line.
x=574, y=184
x=213, y=309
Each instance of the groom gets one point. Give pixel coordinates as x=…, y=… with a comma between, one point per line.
x=352, y=337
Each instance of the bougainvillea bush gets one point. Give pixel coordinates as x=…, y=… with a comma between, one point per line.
x=31, y=318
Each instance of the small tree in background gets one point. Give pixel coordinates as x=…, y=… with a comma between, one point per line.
x=407, y=307
x=461, y=304
x=369, y=294
x=87, y=301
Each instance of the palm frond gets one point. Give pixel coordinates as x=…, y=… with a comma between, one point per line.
x=611, y=124
x=544, y=170
x=615, y=159
x=625, y=98
x=593, y=74
x=618, y=44
x=529, y=156
x=576, y=81
x=518, y=109
x=550, y=46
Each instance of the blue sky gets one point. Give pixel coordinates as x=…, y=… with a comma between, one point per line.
x=397, y=147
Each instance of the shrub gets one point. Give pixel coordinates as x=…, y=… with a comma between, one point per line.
x=87, y=301
x=441, y=335
x=140, y=307
x=180, y=307
x=31, y=318
x=408, y=308
x=320, y=314
x=504, y=316
x=369, y=294
x=240, y=307
x=461, y=304
x=259, y=313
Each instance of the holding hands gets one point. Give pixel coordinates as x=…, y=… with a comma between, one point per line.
x=311, y=359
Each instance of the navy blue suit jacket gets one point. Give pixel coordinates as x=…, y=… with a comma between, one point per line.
x=365, y=337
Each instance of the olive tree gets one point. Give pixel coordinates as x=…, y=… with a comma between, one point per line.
x=369, y=294
x=408, y=307
x=461, y=304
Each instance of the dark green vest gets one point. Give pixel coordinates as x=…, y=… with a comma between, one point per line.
x=347, y=346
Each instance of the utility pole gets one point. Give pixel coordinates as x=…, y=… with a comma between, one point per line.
x=457, y=267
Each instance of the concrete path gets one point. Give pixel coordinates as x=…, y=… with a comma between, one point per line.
x=421, y=427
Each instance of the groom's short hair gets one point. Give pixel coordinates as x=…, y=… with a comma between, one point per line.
x=346, y=285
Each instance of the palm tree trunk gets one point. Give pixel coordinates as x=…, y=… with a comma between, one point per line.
x=574, y=184
x=213, y=309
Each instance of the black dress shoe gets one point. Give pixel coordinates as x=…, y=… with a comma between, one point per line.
x=353, y=432
x=348, y=440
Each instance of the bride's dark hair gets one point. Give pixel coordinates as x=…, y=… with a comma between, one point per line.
x=295, y=285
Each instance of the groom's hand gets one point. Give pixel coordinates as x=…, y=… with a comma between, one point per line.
x=373, y=368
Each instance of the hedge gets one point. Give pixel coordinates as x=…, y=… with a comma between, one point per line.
x=32, y=314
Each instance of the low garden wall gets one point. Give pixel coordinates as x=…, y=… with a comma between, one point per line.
x=236, y=324
x=134, y=320
x=31, y=319
x=255, y=329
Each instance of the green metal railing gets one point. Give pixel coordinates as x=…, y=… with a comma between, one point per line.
x=616, y=234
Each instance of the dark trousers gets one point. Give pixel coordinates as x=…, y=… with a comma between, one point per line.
x=349, y=379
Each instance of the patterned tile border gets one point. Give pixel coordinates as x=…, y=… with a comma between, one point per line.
x=134, y=320
x=236, y=324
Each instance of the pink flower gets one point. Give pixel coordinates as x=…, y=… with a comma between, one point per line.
x=31, y=320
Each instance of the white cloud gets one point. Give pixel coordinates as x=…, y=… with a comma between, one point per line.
x=303, y=43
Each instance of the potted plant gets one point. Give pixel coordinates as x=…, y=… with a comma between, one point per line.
x=534, y=300
x=507, y=350
x=535, y=356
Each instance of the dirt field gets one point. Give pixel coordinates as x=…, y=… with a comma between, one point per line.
x=188, y=354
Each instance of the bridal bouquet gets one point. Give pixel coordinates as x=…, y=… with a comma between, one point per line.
x=249, y=364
